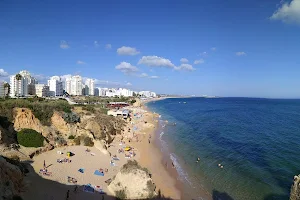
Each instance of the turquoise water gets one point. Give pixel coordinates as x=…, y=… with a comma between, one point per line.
x=256, y=140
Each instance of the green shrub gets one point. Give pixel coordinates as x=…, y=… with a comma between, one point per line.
x=71, y=137
x=71, y=117
x=133, y=101
x=61, y=141
x=89, y=108
x=77, y=140
x=121, y=194
x=88, y=142
x=30, y=138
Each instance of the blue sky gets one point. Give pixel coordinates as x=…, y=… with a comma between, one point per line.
x=231, y=48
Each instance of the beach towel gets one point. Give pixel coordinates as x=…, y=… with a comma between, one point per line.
x=116, y=158
x=98, y=173
x=81, y=170
x=88, y=188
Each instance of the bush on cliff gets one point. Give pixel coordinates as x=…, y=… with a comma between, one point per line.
x=71, y=117
x=120, y=194
x=30, y=138
x=88, y=142
x=41, y=108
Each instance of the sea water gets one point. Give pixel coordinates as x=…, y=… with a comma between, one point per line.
x=255, y=140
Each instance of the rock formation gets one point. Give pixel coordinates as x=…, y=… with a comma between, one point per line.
x=295, y=190
x=11, y=180
x=133, y=181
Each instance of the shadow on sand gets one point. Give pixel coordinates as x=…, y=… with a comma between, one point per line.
x=36, y=188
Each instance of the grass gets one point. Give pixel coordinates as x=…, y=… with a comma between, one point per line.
x=42, y=108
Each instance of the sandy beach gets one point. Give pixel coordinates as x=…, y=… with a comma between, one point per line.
x=139, y=134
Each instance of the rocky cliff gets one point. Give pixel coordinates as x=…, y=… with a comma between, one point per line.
x=11, y=180
x=132, y=182
x=295, y=190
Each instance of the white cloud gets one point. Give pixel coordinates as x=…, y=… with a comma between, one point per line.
x=288, y=12
x=64, y=44
x=203, y=53
x=186, y=67
x=213, y=48
x=40, y=77
x=96, y=43
x=129, y=51
x=143, y=75
x=3, y=73
x=240, y=53
x=79, y=62
x=64, y=77
x=184, y=60
x=106, y=83
x=128, y=84
x=155, y=61
x=108, y=46
x=200, y=61
x=153, y=77
x=126, y=68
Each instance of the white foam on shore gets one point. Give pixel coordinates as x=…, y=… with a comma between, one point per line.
x=183, y=175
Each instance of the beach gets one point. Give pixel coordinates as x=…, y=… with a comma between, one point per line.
x=139, y=134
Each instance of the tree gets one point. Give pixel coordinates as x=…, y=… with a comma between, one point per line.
x=30, y=138
x=7, y=86
x=18, y=77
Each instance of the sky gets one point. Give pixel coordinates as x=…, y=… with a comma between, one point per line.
x=191, y=47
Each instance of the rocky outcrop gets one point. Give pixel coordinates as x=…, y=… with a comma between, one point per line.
x=59, y=123
x=133, y=181
x=11, y=180
x=24, y=118
x=7, y=136
x=295, y=190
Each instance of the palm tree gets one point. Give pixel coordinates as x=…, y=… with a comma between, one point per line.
x=6, y=85
x=18, y=78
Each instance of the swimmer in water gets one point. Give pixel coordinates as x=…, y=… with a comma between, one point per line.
x=198, y=159
x=219, y=165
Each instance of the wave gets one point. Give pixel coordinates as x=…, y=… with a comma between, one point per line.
x=183, y=175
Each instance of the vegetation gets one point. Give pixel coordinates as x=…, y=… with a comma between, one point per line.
x=89, y=108
x=132, y=101
x=77, y=140
x=6, y=85
x=71, y=137
x=151, y=188
x=133, y=165
x=121, y=194
x=88, y=142
x=41, y=108
x=18, y=77
x=60, y=141
x=71, y=117
x=30, y=138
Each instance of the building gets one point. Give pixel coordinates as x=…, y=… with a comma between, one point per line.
x=55, y=86
x=68, y=85
x=102, y=91
x=112, y=92
x=89, y=86
x=117, y=104
x=125, y=92
x=115, y=113
x=147, y=94
x=76, y=85
x=18, y=86
x=96, y=92
x=2, y=92
x=41, y=90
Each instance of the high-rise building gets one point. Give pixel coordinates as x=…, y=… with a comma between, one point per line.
x=90, y=86
x=76, y=85
x=147, y=94
x=42, y=90
x=96, y=91
x=18, y=85
x=68, y=85
x=125, y=92
x=2, y=92
x=55, y=86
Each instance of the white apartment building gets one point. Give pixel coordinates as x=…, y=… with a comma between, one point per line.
x=90, y=87
x=68, y=85
x=42, y=90
x=2, y=93
x=147, y=94
x=18, y=87
x=55, y=86
x=112, y=92
x=76, y=85
x=125, y=92
x=102, y=91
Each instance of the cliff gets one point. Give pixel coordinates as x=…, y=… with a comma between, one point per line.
x=132, y=182
x=295, y=190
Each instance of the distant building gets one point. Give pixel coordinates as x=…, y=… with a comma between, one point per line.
x=42, y=90
x=147, y=94
x=18, y=86
x=125, y=92
x=121, y=113
x=90, y=86
x=2, y=92
x=55, y=86
x=76, y=85
x=102, y=91
x=68, y=85
x=96, y=91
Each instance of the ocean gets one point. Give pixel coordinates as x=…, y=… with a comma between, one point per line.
x=255, y=140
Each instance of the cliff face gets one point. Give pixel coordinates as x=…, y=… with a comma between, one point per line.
x=133, y=182
x=295, y=190
x=11, y=180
